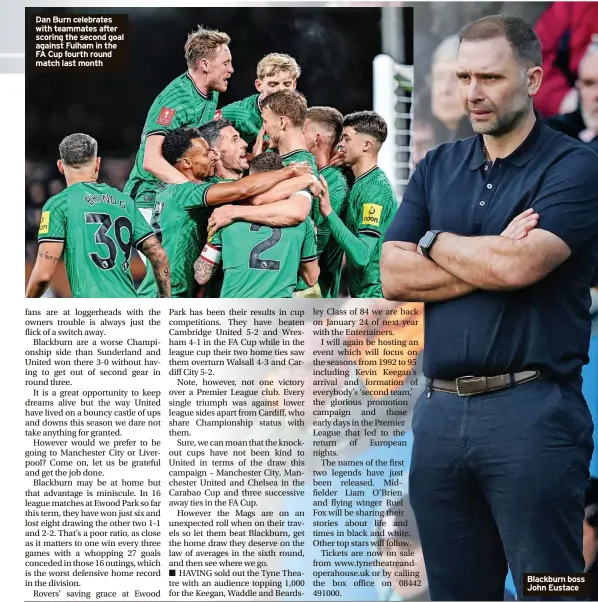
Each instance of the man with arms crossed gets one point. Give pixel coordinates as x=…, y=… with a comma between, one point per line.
x=261, y=261
x=322, y=131
x=182, y=210
x=502, y=436
x=275, y=72
x=372, y=204
x=188, y=101
x=96, y=226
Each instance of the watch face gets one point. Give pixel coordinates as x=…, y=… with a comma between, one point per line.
x=427, y=240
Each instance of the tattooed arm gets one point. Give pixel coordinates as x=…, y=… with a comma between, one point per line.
x=156, y=255
x=48, y=255
x=207, y=263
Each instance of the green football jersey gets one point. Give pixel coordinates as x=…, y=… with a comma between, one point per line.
x=213, y=287
x=180, y=104
x=182, y=216
x=329, y=252
x=302, y=156
x=99, y=226
x=246, y=117
x=371, y=207
x=261, y=261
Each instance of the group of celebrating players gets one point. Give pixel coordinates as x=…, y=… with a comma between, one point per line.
x=261, y=198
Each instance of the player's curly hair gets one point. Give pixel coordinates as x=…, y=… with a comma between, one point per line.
x=287, y=103
x=367, y=122
x=204, y=43
x=276, y=62
x=177, y=143
x=330, y=119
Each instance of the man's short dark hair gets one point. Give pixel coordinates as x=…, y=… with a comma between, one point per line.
x=520, y=35
x=367, y=122
x=78, y=149
x=212, y=131
x=265, y=162
x=330, y=118
x=287, y=103
x=177, y=143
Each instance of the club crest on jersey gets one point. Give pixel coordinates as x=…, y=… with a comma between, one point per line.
x=44, y=224
x=166, y=116
x=371, y=214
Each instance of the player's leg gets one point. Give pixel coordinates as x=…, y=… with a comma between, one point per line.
x=533, y=454
x=462, y=549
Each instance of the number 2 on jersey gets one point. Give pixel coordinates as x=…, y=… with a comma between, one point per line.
x=255, y=261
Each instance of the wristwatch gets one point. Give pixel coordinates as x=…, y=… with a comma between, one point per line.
x=426, y=242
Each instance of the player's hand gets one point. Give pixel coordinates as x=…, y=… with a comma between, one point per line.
x=259, y=146
x=338, y=159
x=221, y=217
x=324, y=204
x=298, y=169
x=521, y=225
x=316, y=187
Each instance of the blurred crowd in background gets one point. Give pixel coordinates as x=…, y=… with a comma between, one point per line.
x=568, y=98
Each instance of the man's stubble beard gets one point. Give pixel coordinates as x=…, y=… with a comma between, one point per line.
x=503, y=123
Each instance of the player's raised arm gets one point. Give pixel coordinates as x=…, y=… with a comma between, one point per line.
x=156, y=164
x=252, y=185
x=288, y=212
x=284, y=190
x=48, y=256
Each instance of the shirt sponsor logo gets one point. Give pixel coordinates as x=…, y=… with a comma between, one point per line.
x=44, y=224
x=371, y=214
x=166, y=116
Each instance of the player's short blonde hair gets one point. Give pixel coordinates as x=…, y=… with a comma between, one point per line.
x=275, y=62
x=204, y=43
x=287, y=103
